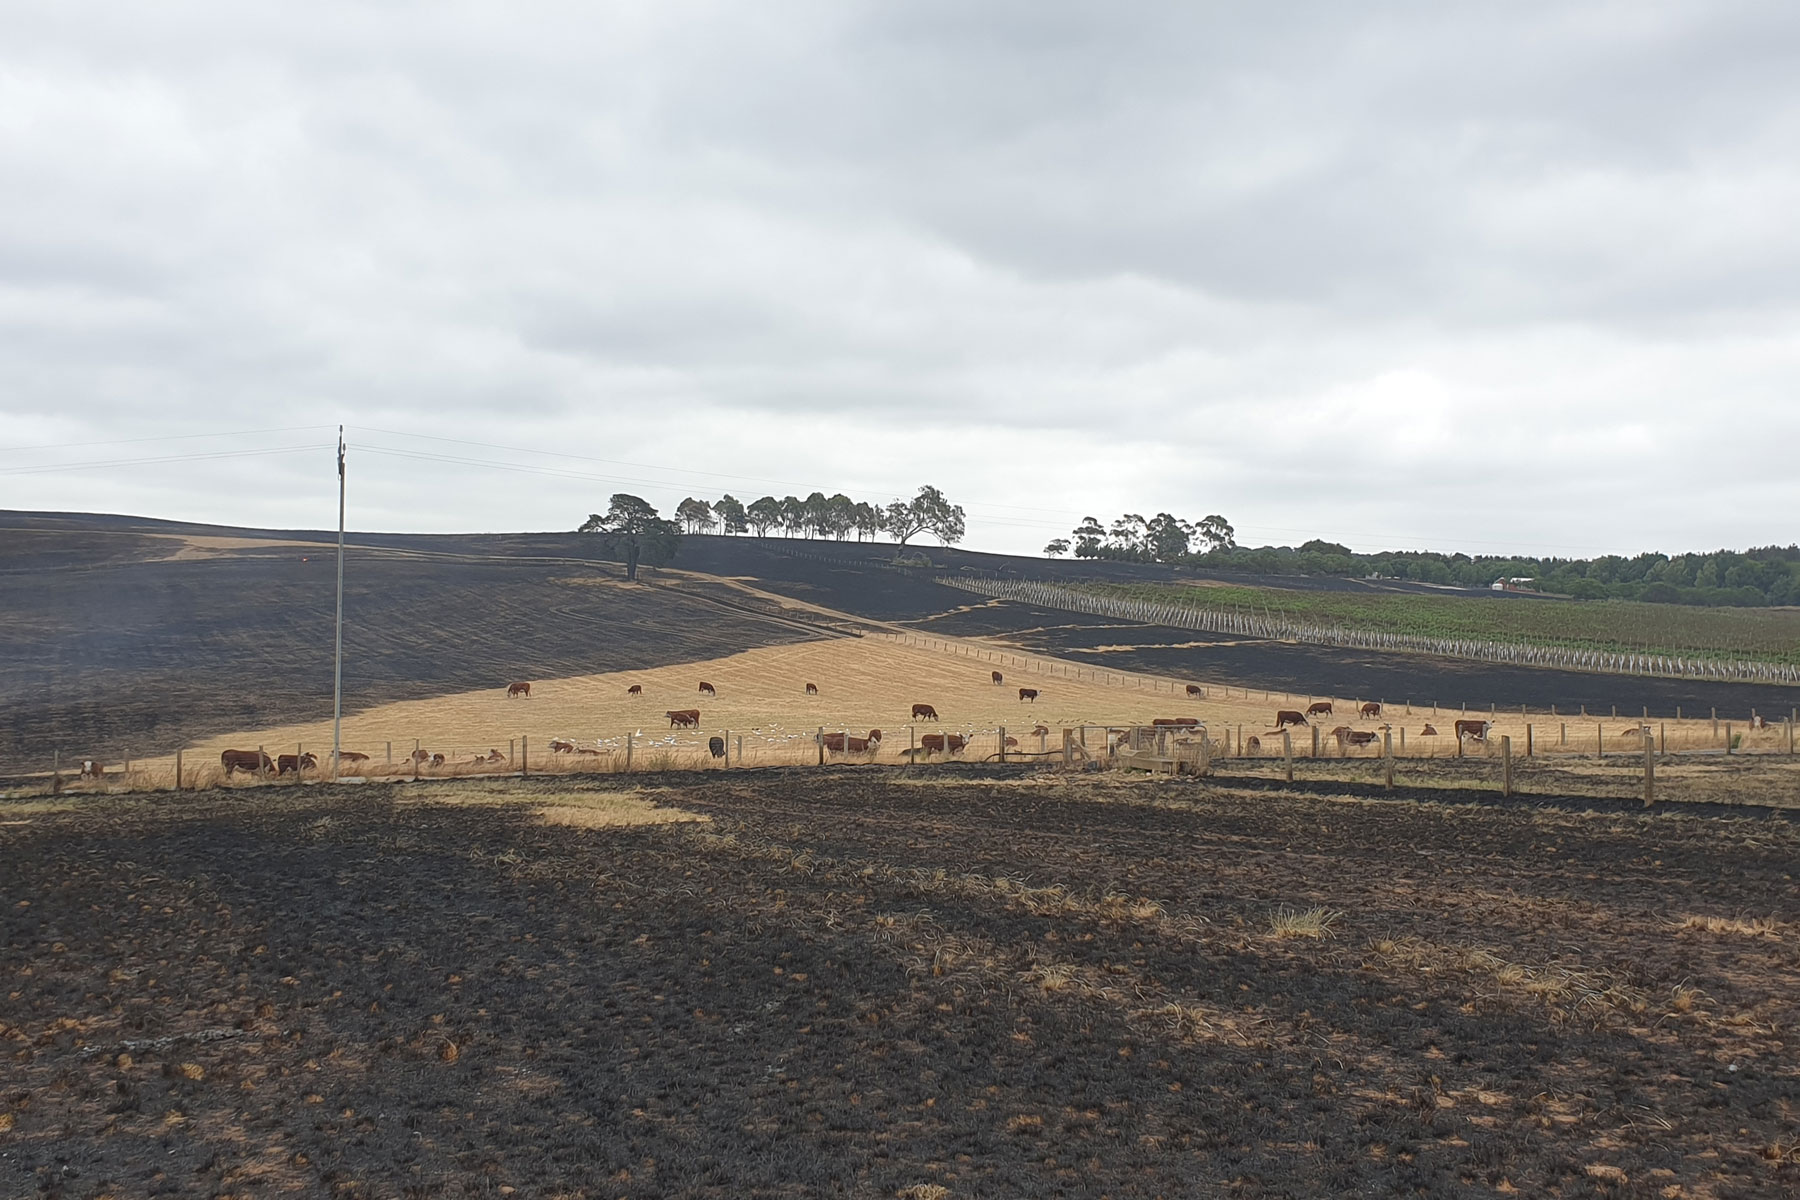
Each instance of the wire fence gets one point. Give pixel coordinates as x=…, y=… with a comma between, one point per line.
x=1205, y=620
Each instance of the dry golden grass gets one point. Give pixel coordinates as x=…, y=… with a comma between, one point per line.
x=1306, y=922
x=1743, y=926
x=629, y=810
x=871, y=683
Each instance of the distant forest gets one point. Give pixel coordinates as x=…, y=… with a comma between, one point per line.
x=1757, y=577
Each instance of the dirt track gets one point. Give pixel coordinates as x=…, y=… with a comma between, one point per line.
x=849, y=983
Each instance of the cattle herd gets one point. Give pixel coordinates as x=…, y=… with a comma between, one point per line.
x=257, y=762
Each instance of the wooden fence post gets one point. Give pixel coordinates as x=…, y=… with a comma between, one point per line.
x=1505, y=766
x=178, y=770
x=1728, y=737
x=1068, y=749
x=1562, y=736
x=1649, y=769
x=390, y=754
x=1403, y=739
x=1287, y=754
x=630, y=739
x=1002, y=743
x=820, y=735
x=524, y=755
x=262, y=756
x=1315, y=733
x=1600, y=740
x=1387, y=752
x=740, y=750
x=1527, y=741
x=727, y=755
x=56, y=772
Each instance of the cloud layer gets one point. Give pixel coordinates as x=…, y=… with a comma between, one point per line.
x=1486, y=276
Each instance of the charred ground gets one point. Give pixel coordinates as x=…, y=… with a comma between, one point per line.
x=860, y=982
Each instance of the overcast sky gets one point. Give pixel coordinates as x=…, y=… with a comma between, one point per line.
x=1489, y=277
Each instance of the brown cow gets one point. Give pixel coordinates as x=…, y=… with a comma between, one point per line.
x=421, y=756
x=1370, y=709
x=91, y=769
x=1028, y=694
x=1319, y=708
x=1040, y=731
x=636, y=689
x=561, y=746
x=1184, y=722
x=836, y=742
x=1287, y=716
x=245, y=760
x=518, y=689
x=1194, y=689
x=999, y=679
x=1428, y=731
x=924, y=712
x=437, y=760
x=938, y=743
x=1758, y=721
x=707, y=689
x=298, y=765
x=1360, y=737
x=812, y=689
x=683, y=717
x=1252, y=745
x=1011, y=742
x=1475, y=730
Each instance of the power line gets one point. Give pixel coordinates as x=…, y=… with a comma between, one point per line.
x=172, y=437
x=173, y=458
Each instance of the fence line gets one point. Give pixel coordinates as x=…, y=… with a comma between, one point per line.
x=1205, y=620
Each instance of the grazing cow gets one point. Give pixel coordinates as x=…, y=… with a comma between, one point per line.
x=1360, y=737
x=1339, y=732
x=245, y=760
x=1253, y=745
x=1473, y=729
x=683, y=717
x=518, y=689
x=297, y=764
x=1319, y=708
x=924, y=712
x=1194, y=689
x=1040, y=731
x=1370, y=709
x=1011, y=742
x=561, y=746
x=938, y=743
x=636, y=689
x=1028, y=694
x=351, y=756
x=838, y=743
x=812, y=689
x=716, y=746
x=437, y=760
x=1183, y=722
x=1428, y=731
x=421, y=756
x=91, y=769
x=1758, y=721
x=1287, y=716
x=707, y=689
x=999, y=679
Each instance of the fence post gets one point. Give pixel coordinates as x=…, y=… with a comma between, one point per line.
x=740, y=750
x=1315, y=733
x=1387, y=752
x=127, y=771
x=178, y=770
x=1728, y=737
x=390, y=754
x=1649, y=769
x=820, y=735
x=524, y=755
x=1403, y=739
x=1287, y=754
x=727, y=755
x=1003, y=743
x=630, y=738
x=1068, y=749
x=299, y=749
x=1662, y=737
x=1600, y=740
x=1459, y=743
x=1527, y=741
x=1562, y=736
x=56, y=772
x=262, y=756
x=1505, y=765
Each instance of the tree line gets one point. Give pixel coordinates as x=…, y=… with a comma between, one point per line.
x=632, y=531
x=1164, y=538
x=1765, y=575
x=837, y=517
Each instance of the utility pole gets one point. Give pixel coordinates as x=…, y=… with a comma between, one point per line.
x=337, y=663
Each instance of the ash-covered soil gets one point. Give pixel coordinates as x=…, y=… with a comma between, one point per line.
x=860, y=982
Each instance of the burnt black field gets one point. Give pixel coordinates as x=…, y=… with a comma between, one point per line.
x=861, y=983
x=108, y=645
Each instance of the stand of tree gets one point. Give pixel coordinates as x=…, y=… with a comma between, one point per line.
x=1765, y=575
x=632, y=531
x=825, y=516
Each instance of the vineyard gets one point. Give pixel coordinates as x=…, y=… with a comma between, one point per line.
x=1612, y=636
